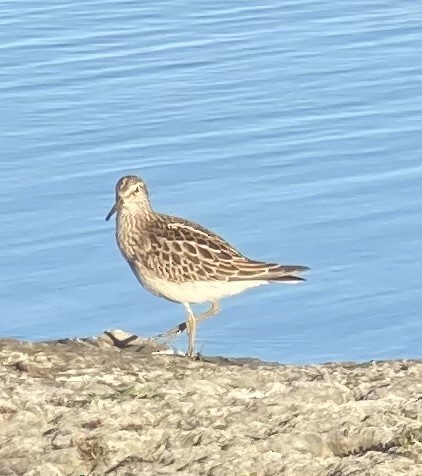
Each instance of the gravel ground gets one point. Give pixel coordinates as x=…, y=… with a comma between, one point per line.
x=89, y=407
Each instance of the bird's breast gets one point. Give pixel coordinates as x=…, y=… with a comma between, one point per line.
x=132, y=241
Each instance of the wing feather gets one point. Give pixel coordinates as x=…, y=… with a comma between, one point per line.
x=181, y=250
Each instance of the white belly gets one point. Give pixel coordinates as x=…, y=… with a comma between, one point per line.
x=195, y=291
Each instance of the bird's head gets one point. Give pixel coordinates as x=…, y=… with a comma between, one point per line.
x=131, y=193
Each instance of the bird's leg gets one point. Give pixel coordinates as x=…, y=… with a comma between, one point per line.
x=174, y=331
x=212, y=311
x=191, y=330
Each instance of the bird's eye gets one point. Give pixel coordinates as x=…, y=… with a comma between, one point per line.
x=138, y=189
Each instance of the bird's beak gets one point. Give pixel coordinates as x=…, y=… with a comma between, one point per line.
x=112, y=211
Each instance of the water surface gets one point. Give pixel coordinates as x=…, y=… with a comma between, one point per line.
x=293, y=129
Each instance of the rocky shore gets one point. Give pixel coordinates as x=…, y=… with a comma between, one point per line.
x=96, y=407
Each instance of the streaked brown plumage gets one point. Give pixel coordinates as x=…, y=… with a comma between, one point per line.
x=183, y=261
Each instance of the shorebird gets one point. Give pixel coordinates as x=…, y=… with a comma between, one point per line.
x=182, y=261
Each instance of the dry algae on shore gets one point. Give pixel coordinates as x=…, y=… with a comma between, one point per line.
x=88, y=407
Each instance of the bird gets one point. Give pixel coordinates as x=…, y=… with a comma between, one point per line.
x=183, y=261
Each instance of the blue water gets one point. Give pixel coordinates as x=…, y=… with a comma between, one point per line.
x=293, y=129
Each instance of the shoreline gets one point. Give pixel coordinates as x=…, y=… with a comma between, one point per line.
x=94, y=407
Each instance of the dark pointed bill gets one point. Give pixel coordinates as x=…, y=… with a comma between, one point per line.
x=111, y=212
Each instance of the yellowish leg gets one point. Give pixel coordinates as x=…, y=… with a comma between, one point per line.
x=191, y=330
x=214, y=309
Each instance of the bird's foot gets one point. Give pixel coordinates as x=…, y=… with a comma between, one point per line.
x=193, y=356
x=173, y=332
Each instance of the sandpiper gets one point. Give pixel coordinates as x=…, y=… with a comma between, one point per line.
x=182, y=261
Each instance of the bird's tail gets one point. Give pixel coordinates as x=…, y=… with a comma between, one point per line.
x=257, y=270
x=287, y=273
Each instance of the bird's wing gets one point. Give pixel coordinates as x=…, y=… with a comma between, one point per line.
x=180, y=250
